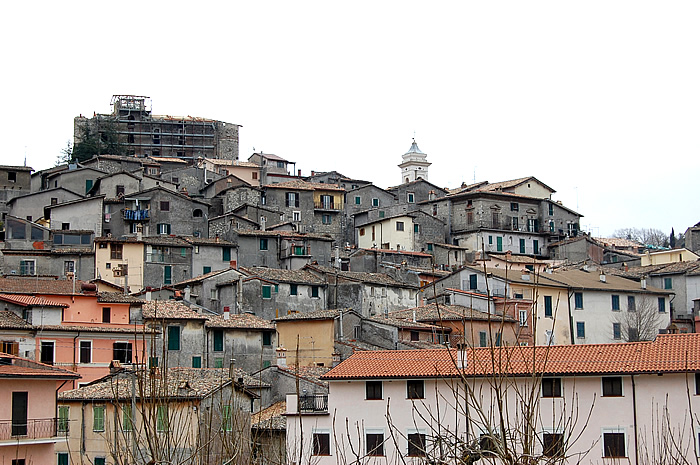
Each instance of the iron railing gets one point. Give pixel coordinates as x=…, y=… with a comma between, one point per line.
x=31, y=429
x=313, y=403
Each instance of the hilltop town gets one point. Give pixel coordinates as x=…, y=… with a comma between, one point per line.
x=166, y=301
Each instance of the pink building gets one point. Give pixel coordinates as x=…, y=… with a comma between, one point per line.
x=629, y=403
x=29, y=427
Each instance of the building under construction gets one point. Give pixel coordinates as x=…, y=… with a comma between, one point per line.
x=142, y=134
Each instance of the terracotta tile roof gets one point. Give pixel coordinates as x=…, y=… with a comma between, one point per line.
x=31, y=301
x=37, y=285
x=271, y=418
x=118, y=298
x=245, y=164
x=10, y=320
x=169, y=310
x=407, y=324
x=298, y=184
x=669, y=353
x=283, y=276
x=168, y=160
x=201, y=278
x=166, y=240
x=371, y=278
x=239, y=321
x=183, y=383
x=446, y=313
x=312, y=374
x=618, y=242
x=285, y=234
x=590, y=280
x=97, y=328
x=317, y=315
x=18, y=367
x=518, y=258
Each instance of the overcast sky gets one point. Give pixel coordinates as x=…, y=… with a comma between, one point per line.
x=599, y=100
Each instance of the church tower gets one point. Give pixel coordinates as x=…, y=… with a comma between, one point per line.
x=415, y=165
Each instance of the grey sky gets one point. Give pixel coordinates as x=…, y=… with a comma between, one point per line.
x=599, y=99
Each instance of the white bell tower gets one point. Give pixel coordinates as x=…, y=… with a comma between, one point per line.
x=415, y=165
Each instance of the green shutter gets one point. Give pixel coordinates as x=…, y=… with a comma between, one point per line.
x=266, y=292
x=88, y=185
x=218, y=362
x=218, y=341
x=482, y=339
x=63, y=419
x=499, y=244
x=206, y=269
x=226, y=418
x=227, y=254
x=173, y=338
x=267, y=339
x=536, y=246
x=162, y=418
x=62, y=458
x=167, y=274
x=196, y=362
x=522, y=245
x=127, y=422
x=98, y=418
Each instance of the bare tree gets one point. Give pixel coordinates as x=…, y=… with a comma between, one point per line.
x=641, y=321
x=646, y=236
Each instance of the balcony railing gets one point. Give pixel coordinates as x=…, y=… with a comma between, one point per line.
x=315, y=403
x=136, y=215
x=32, y=429
x=326, y=205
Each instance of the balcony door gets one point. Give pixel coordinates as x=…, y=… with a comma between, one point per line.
x=19, y=413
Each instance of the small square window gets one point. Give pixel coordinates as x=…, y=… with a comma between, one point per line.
x=321, y=444
x=263, y=244
x=375, y=444
x=415, y=389
x=614, y=444
x=612, y=386
x=164, y=206
x=416, y=445
x=399, y=225
x=266, y=292
x=551, y=387
x=314, y=291
x=553, y=445
x=580, y=329
x=293, y=289
x=373, y=390
x=578, y=300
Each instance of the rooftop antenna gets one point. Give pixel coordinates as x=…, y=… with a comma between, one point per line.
x=25, y=155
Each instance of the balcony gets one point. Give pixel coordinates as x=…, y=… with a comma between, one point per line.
x=136, y=215
x=327, y=205
x=43, y=428
x=315, y=403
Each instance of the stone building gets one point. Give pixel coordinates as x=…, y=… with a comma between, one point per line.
x=143, y=134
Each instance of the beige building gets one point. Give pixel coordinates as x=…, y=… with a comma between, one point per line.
x=120, y=261
x=668, y=256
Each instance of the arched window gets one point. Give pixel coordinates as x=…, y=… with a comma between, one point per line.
x=197, y=213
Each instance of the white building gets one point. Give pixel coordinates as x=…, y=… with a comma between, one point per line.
x=415, y=165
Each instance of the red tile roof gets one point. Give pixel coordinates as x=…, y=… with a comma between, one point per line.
x=170, y=310
x=671, y=353
x=30, y=301
x=18, y=367
x=37, y=285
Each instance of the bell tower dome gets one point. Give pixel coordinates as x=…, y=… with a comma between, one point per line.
x=415, y=165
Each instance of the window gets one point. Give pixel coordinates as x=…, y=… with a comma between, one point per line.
x=515, y=223
x=121, y=351
x=164, y=206
x=106, y=314
x=373, y=390
x=99, y=461
x=173, y=338
x=196, y=361
x=470, y=217
x=522, y=317
x=218, y=362
x=375, y=202
x=226, y=254
x=47, y=349
x=127, y=421
x=218, y=335
x=293, y=289
x=88, y=185
x=553, y=444
x=27, y=267
x=98, y=418
x=415, y=389
x=551, y=210
x=697, y=384
x=213, y=294
x=483, y=342
x=617, y=331
x=18, y=462
x=62, y=458
x=612, y=386
x=266, y=292
x=322, y=444
x=514, y=207
x=578, y=300
x=292, y=199
x=614, y=444
x=416, y=444
x=326, y=219
x=63, y=416
x=314, y=291
x=162, y=419
x=548, y=306
x=267, y=339
x=551, y=387
x=668, y=283
x=662, y=305
x=68, y=267
x=375, y=444
x=536, y=247
x=167, y=274
x=580, y=329
x=631, y=304
x=411, y=197
x=263, y=244
x=11, y=176
x=85, y=351
x=399, y=225
x=616, y=303
x=163, y=228
x=296, y=216
x=487, y=444
x=362, y=231
x=116, y=251
x=499, y=244
x=416, y=228
x=522, y=245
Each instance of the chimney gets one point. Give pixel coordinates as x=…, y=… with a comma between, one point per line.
x=299, y=173
x=414, y=316
x=187, y=293
x=643, y=282
x=232, y=368
x=216, y=238
x=281, y=357
x=336, y=359
x=313, y=173
x=149, y=294
x=227, y=313
x=602, y=277
x=509, y=254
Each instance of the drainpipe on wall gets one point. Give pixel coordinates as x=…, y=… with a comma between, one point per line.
x=634, y=414
x=571, y=317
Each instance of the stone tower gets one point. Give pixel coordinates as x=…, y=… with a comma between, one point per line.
x=415, y=165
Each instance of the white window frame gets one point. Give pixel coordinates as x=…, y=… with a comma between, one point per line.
x=52, y=341
x=33, y=262
x=617, y=429
x=622, y=387
x=522, y=315
x=554, y=430
x=213, y=294
x=80, y=341
x=65, y=272
x=330, y=440
x=296, y=215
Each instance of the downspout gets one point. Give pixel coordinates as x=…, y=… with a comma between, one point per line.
x=571, y=317
x=55, y=404
x=634, y=414
x=75, y=365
